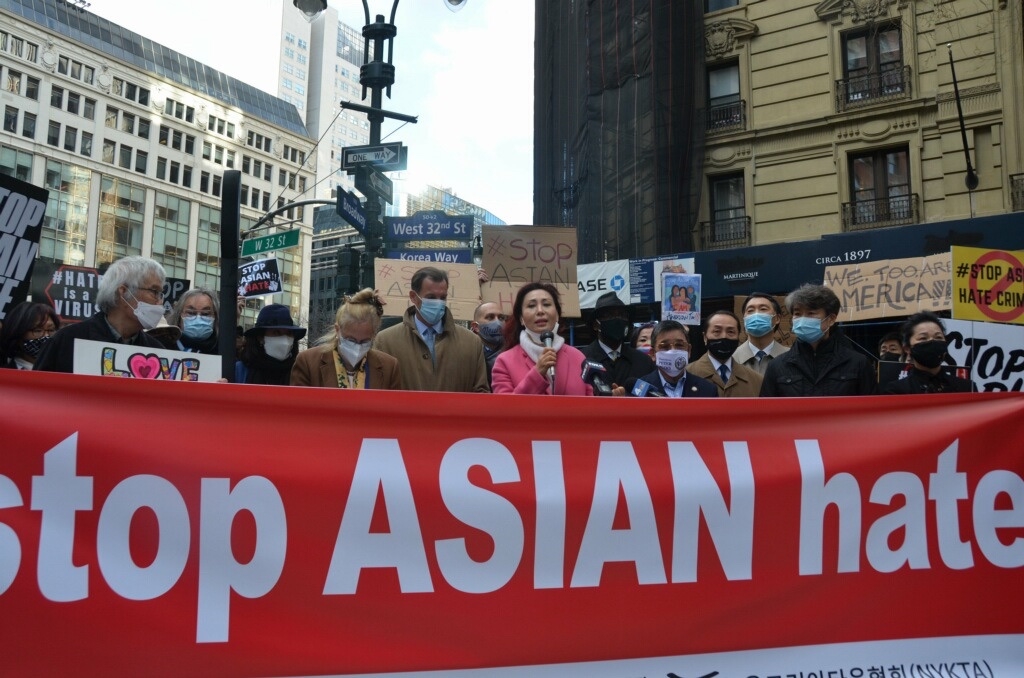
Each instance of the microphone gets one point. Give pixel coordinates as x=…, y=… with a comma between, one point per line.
x=642, y=389
x=594, y=374
x=549, y=338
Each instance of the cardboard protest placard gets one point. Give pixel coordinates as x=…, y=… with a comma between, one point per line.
x=143, y=362
x=393, y=277
x=514, y=255
x=994, y=353
x=22, y=208
x=680, y=293
x=71, y=290
x=892, y=287
x=988, y=285
x=259, y=278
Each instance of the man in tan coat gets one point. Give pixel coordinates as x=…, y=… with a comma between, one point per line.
x=721, y=337
x=433, y=352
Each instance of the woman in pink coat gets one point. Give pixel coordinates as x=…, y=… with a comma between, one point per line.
x=537, y=360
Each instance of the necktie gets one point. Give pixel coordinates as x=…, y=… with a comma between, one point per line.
x=724, y=371
x=760, y=355
x=428, y=337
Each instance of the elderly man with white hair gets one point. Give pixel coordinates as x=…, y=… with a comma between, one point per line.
x=130, y=300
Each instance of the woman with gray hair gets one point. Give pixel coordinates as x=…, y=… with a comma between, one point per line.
x=130, y=299
x=196, y=313
x=822, y=362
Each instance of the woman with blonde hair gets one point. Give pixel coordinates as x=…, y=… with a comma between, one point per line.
x=343, y=357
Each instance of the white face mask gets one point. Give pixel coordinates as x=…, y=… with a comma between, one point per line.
x=672, y=362
x=278, y=348
x=352, y=352
x=147, y=314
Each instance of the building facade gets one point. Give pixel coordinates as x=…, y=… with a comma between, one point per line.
x=830, y=117
x=132, y=140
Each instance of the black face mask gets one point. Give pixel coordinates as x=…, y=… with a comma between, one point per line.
x=614, y=329
x=33, y=347
x=722, y=349
x=889, y=356
x=929, y=353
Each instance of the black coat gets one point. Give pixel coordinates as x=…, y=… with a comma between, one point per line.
x=630, y=363
x=59, y=353
x=836, y=368
x=693, y=387
x=917, y=381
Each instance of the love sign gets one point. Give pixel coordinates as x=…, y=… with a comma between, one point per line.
x=138, y=362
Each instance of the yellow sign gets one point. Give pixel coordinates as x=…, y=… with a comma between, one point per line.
x=988, y=285
x=893, y=287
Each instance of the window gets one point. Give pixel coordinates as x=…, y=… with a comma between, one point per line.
x=880, y=186
x=57, y=96
x=28, y=126
x=161, y=168
x=121, y=211
x=108, y=150
x=13, y=82
x=63, y=235
x=86, y=148
x=715, y=5
x=724, y=106
x=74, y=102
x=128, y=123
x=141, y=161
x=70, y=139
x=873, y=63
x=170, y=233
x=728, y=208
x=143, y=129
x=175, y=172
x=89, y=109
x=186, y=176
x=53, y=134
x=15, y=163
x=125, y=158
x=190, y=144
x=32, y=88
x=11, y=119
x=111, y=117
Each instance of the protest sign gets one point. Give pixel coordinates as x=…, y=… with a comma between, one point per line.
x=259, y=278
x=988, y=285
x=892, y=287
x=994, y=352
x=416, y=546
x=680, y=293
x=173, y=289
x=393, y=277
x=514, y=255
x=22, y=208
x=71, y=290
x=143, y=362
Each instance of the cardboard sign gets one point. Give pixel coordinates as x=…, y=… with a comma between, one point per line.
x=994, y=352
x=22, y=208
x=259, y=278
x=893, y=287
x=393, y=278
x=143, y=362
x=514, y=255
x=71, y=290
x=988, y=285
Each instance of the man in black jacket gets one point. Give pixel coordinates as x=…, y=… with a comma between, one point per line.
x=611, y=323
x=822, y=362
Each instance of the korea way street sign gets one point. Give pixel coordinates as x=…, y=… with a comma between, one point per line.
x=385, y=157
x=267, y=243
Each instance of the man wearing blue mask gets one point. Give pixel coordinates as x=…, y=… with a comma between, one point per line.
x=822, y=362
x=433, y=352
x=489, y=324
x=195, y=314
x=761, y=317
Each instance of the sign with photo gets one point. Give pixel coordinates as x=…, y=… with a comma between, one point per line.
x=22, y=208
x=144, y=362
x=680, y=294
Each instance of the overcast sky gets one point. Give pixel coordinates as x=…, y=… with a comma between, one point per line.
x=467, y=75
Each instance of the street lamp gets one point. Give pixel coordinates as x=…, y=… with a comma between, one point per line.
x=310, y=9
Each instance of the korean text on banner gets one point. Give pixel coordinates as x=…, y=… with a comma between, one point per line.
x=988, y=285
x=314, y=545
x=514, y=255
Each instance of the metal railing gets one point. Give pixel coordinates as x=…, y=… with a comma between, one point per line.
x=867, y=214
x=723, y=234
x=1017, y=192
x=727, y=117
x=862, y=90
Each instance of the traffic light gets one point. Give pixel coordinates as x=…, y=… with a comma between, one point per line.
x=348, y=271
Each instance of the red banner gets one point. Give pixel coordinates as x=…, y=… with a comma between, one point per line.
x=167, y=528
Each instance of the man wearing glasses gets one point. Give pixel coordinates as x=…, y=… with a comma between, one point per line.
x=130, y=298
x=671, y=348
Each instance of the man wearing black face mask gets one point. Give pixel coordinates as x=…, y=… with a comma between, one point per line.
x=489, y=324
x=611, y=323
x=924, y=338
x=721, y=337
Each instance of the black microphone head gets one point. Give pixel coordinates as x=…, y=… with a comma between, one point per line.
x=548, y=338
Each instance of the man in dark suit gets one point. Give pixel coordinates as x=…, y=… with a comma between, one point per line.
x=611, y=323
x=671, y=348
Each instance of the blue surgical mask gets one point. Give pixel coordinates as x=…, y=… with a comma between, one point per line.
x=490, y=332
x=808, y=329
x=757, y=324
x=198, y=327
x=432, y=310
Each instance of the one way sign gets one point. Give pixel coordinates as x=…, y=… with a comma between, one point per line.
x=385, y=157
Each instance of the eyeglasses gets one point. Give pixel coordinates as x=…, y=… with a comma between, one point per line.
x=192, y=314
x=39, y=332
x=678, y=346
x=157, y=292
